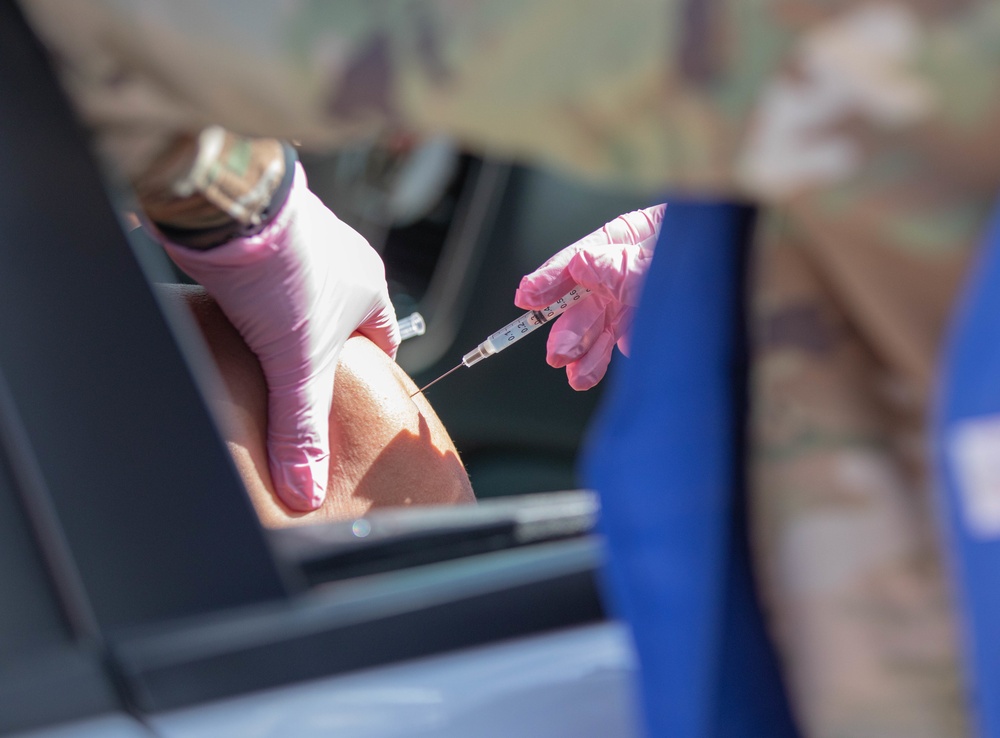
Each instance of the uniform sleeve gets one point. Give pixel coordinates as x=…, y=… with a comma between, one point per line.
x=588, y=86
x=760, y=97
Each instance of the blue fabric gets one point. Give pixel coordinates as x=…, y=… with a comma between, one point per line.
x=970, y=388
x=664, y=455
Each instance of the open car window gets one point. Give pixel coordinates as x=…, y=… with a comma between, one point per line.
x=133, y=549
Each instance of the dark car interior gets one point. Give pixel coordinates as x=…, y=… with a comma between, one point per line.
x=136, y=576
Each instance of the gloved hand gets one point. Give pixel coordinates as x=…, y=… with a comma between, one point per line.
x=296, y=291
x=611, y=262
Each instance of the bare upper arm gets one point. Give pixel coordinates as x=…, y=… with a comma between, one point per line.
x=388, y=449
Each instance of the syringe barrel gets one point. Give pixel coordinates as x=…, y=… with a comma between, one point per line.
x=527, y=323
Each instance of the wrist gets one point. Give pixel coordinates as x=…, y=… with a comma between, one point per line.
x=210, y=190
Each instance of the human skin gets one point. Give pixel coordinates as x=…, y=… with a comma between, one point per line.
x=388, y=450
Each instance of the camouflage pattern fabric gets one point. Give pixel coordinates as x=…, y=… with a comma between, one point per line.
x=752, y=96
x=847, y=552
x=210, y=180
x=868, y=127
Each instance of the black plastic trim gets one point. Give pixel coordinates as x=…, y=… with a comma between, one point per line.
x=59, y=683
x=366, y=622
x=153, y=513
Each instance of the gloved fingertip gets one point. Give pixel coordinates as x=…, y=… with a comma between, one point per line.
x=382, y=329
x=301, y=484
x=393, y=339
x=527, y=299
x=581, y=382
x=563, y=346
x=558, y=358
x=392, y=345
x=556, y=361
x=589, y=370
x=539, y=290
x=624, y=331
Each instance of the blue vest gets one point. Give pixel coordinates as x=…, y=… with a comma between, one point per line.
x=666, y=455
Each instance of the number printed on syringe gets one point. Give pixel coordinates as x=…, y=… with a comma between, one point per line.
x=517, y=329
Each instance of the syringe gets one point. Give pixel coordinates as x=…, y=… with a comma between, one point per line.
x=516, y=330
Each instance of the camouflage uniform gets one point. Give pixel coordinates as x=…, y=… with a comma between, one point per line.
x=868, y=129
x=842, y=519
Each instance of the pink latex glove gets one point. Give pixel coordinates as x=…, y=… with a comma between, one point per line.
x=612, y=263
x=296, y=291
